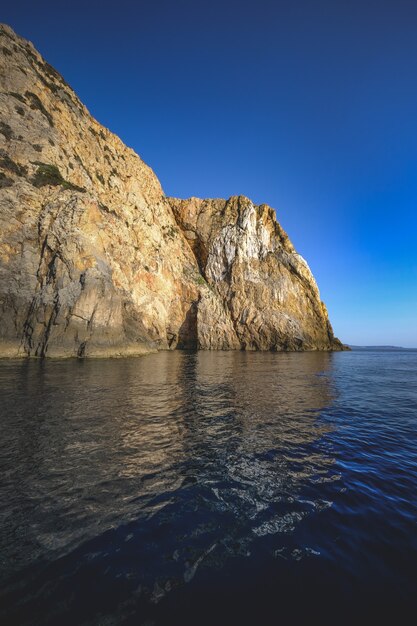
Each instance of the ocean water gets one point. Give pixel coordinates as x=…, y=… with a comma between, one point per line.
x=209, y=488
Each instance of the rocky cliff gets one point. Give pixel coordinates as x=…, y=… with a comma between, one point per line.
x=95, y=260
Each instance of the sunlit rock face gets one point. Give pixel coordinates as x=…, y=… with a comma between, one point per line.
x=263, y=292
x=96, y=261
x=91, y=259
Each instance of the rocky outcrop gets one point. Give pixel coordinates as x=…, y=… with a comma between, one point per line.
x=263, y=292
x=91, y=258
x=95, y=260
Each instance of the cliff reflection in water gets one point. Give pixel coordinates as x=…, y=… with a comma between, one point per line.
x=149, y=469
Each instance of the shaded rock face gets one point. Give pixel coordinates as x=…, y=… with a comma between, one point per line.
x=96, y=261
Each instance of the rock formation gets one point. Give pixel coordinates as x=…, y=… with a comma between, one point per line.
x=96, y=261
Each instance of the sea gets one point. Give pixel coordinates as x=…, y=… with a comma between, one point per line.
x=209, y=488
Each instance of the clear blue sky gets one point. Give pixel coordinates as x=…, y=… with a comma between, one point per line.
x=309, y=106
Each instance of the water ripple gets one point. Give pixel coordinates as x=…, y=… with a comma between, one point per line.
x=137, y=490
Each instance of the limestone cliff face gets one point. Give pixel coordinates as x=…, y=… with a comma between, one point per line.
x=91, y=258
x=95, y=260
x=264, y=289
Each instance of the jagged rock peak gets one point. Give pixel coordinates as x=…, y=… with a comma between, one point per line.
x=266, y=287
x=95, y=260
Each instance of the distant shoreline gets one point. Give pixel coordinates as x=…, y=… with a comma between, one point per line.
x=382, y=348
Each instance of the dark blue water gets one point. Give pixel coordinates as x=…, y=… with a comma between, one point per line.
x=209, y=488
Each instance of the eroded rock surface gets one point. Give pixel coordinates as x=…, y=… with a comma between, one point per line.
x=266, y=295
x=95, y=260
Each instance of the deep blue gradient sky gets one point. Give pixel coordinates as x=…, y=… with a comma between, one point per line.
x=309, y=106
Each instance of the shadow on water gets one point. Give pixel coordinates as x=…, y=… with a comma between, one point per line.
x=180, y=488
